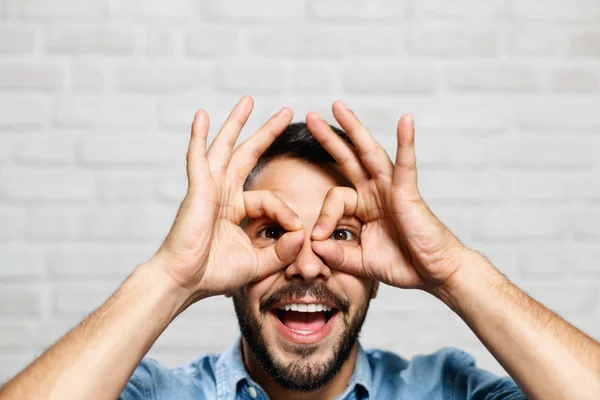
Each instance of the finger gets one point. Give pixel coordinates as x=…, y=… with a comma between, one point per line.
x=371, y=153
x=264, y=203
x=405, y=170
x=338, y=202
x=343, y=153
x=196, y=162
x=285, y=251
x=220, y=150
x=340, y=257
x=247, y=154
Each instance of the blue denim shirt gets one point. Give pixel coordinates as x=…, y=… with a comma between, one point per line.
x=447, y=374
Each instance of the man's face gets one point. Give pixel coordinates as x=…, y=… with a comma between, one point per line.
x=302, y=322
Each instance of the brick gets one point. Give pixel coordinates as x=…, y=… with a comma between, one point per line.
x=45, y=150
x=540, y=186
x=555, y=10
x=159, y=42
x=358, y=10
x=542, y=262
x=172, y=188
x=444, y=152
x=59, y=9
x=184, y=333
x=78, y=261
x=15, y=335
x=585, y=187
x=30, y=76
x=555, y=115
x=535, y=42
x=88, y=76
x=312, y=78
x=576, y=80
x=16, y=39
x=141, y=9
x=45, y=185
x=510, y=225
x=443, y=116
x=22, y=261
x=375, y=41
x=258, y=10
x=12, y=223
x=584, y=224
x=583, y=260
x=84, y=40
x=124, y=188
x=442, y=186
x=584, y=44
x=153, y=78
x=22, y=301
x=546, y=153
x=6, y=150
x=51, y=223
x=13, y=363
x=80, y=299
x=564, y=298
x=131, y=152
x=458, y=10
x=254, y=78
x=500, y=78
x=452, y=43
x=389, y=79
x=285, y=41
x=104, y=111
x=21, y=113
x=131, y=222
x=212, y=40
x=390, y=299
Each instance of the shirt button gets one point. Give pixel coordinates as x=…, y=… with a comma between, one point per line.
x=252, y=392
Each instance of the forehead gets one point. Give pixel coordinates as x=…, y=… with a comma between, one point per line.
x=297, y=182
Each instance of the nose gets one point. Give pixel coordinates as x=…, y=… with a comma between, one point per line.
x=308, y=266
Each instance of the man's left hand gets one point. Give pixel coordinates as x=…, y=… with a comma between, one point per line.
x=403, y=243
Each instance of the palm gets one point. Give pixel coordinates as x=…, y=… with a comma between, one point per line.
x=384, y=251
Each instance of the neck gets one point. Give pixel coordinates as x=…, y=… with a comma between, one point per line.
x=330, y=390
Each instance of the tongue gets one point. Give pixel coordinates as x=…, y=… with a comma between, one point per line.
x=304, y=321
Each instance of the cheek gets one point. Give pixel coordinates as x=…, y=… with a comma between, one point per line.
x=357, y=289
x=258, y=290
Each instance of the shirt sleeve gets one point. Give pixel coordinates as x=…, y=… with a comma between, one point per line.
x=464, y=380
x=140, y=385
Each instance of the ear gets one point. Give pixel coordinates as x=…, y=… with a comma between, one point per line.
x=374, y=289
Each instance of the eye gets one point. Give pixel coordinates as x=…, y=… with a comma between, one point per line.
x=272, y=232
x=343, y=234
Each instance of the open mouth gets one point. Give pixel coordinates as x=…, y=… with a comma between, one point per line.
x=304, y=323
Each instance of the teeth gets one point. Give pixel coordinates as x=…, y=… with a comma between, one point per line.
x=306, y=307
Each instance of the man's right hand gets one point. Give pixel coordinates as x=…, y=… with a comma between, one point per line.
x=206, y=251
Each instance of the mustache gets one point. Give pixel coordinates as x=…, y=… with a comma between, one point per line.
x=294, y=289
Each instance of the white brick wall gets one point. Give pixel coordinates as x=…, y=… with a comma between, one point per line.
x=97, y=96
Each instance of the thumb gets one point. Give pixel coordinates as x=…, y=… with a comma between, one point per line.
x=283, y=253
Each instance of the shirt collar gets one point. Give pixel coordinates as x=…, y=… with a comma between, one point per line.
x=231, y=370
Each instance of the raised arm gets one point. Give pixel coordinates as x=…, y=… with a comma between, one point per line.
x=96, y=358
x=404, y=245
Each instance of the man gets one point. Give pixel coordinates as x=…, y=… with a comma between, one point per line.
x=300, y=229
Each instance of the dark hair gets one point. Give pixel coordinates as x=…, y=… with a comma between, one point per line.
x=297, y=142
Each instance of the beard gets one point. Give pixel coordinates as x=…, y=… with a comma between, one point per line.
x=302, y=374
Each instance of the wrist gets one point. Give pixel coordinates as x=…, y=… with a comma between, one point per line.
x=155, y=272
x=473, y=273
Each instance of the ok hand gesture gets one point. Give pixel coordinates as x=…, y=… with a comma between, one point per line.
x=402, y=243
x=206, y=250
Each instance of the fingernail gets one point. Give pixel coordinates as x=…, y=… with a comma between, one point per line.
x=317, y=231
x=345, y=105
